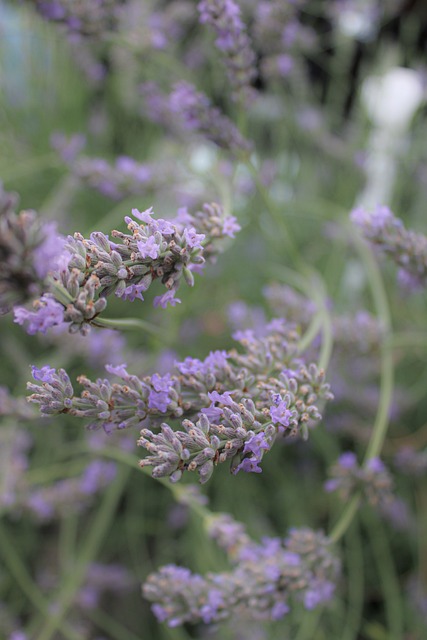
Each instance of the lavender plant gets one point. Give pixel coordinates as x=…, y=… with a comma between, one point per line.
x=317, y=410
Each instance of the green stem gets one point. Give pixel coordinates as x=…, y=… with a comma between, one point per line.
x=409, y=339
x=130, y=323
x=386, y=377
x=309, y=625
x=355, y=583
x=345, y=520
x=99, y=529
x=388, y=578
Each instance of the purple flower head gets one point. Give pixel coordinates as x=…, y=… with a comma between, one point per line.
x=45, y=374
x=48, y=251
x=223, y=398
x=190, y=366
x=230, y=226
x=165, y=299
x=375, y=465
x=256, y=445
x=248, y=465
x=118, y=370
x=279, y=412
x=216, y=360
x=97, y=474
x=377, y=220
x=347, y=460
x=148, y=248
x=279, y=610
x=144, y=216
x=193, y=240
x=159, y=395
x=320, y=591
x=131, y=292
x=215, y=600
x=49, y=313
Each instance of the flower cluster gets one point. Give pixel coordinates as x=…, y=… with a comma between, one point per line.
x=188, y=110
x=125, y=177
x=281, y=37
x=14, y=448
x=83, y=17
x=233, y=42
x=411, y=462
x=372, y=480
x=69, y=494
x=265, y=581
x=29, y=250
x=232, y=405
x=94, y=268
x=388, y=234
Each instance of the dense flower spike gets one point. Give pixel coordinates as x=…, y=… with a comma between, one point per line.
x=123, y=178
x=373, y=479
x=265, y=581
x=406, y=248
x=70, y=494
x=281, y=37
x=83, y=17
x=188, y=110
x=232, y=405
x=29, y=250
x=233, y=42
x=155, y=249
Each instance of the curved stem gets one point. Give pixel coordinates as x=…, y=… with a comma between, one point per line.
x=130, y=323
x=345, y=519
x=387, y=378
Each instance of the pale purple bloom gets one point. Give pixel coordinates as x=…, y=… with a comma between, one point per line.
x=49, y=313
x=132, y=292
x=148, y=248
x=159, y=395
x=45, y=374
x=347, y=460
x=249, y=465
x=97, y=473
x=280, y=414
x=230, y=226
x=223, y=398
x=118, y=370
x=256, y=445
x=165, y=299
x=144, y=216
x=190, y=366
x=193, y=240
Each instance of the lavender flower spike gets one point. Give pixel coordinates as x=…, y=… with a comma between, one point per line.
x=233, y=42
x=300, y=568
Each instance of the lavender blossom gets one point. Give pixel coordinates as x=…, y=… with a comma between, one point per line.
x=49, y=502
x=188, y=110
x=124, y=178
x=388, y=235
x=372, y=480
x=265, y=580
x=233, y=42
x=30, y=249
x=85, y=17
x=14, y=448
x=155, y=249
x=233, y=406
x=411, y=462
